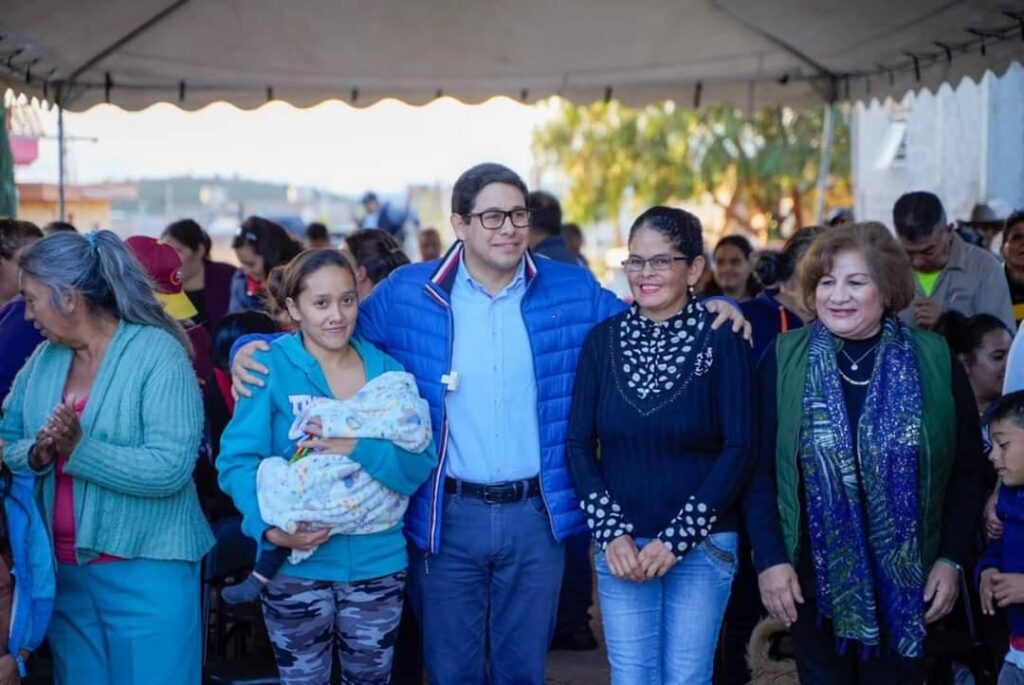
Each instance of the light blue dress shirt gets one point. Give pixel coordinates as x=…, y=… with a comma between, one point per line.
x=494, y=430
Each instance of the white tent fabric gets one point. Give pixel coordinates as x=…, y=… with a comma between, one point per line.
x=746, y=52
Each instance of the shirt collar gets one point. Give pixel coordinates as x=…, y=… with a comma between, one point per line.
x=465, y=279
x=956, y=253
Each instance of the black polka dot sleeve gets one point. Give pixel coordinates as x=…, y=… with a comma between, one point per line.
x=689, y=527
x=604, y=518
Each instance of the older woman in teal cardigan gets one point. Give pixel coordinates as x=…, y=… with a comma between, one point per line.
x=107, y=414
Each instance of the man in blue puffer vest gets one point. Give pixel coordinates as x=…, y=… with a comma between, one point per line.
x=492, y=336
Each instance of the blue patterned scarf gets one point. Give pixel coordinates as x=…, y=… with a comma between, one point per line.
x=863, y=506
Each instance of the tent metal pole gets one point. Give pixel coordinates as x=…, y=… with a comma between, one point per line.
x=825, y=162
x=61, y=172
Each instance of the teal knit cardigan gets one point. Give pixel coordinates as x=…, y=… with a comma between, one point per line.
x=132, y=469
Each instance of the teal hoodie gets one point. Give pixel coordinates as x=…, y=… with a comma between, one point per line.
x=259, y=429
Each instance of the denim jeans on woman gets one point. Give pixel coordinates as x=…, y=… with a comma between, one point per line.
x=664, y=631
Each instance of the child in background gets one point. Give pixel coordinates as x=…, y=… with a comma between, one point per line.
x=1002, y=566
x=316, y=490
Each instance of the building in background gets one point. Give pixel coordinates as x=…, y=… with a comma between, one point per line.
x=965, y=144
x=86, y=206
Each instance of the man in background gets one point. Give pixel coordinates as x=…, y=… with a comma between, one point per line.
x=388, y=216
x=573, y=236
x=430, y=244
x=950, y=272
x=545, y=228
x=317, y=237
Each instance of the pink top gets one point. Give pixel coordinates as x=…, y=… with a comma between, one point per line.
x=64, y=511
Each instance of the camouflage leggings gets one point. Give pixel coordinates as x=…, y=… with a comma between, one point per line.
x=305, y=618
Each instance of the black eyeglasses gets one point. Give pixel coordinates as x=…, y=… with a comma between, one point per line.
x=659, y=262
x=493, y=219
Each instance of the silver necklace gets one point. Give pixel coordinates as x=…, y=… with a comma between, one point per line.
x=855, y=363
x=850, y=380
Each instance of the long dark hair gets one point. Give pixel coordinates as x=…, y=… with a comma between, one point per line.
x=781, y=266
x=965, y=335
x=191, y=235
x=377, y=252
x=269, y=240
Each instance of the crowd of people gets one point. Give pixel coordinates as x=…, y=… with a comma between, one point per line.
x=435, y=460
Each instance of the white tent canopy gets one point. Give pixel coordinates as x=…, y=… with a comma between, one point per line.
x=134, y=53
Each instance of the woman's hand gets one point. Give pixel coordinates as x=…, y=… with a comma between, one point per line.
x=986, y=592
x=623, y=559
x=65, y=427
x=656, y=559
x=344, y=446
x=941, y=591
x=303, y=541
x=729, y=312
x=993, y=524
x=1008, y=588
x=44, y=451
x=780, y=592
x=244, y=368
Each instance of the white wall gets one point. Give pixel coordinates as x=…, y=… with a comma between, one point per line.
x=964, y=144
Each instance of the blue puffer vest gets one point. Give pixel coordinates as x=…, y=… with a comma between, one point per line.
x=409, y=316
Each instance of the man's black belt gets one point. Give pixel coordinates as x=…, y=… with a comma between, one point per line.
x=494, y=493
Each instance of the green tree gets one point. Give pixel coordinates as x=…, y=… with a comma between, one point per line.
x=8, y=189
x=748, y=163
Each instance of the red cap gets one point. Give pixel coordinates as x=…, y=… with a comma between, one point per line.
x=163, y=265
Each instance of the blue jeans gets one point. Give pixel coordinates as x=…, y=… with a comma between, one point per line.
x=487, y=600
x=664, y=631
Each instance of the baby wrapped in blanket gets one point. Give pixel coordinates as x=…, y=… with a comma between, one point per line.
x=314, y=490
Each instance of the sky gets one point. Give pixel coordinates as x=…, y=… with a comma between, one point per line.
x=331, y=146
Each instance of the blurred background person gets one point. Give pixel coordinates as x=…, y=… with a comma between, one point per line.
x=206, y=283
x=376, y=255
x=260, y=245
x=574, y=240
x=430, y=244
x=1012, y=250
x=734, y=269
x=317, y=237
x=780, y=307
x=545, y=236
x=18, y=337
x=949, y=272
x=391, y=217
x=982, y=344
x=983, y=228
x=162, y=264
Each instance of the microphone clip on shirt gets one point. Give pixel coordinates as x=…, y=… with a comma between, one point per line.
x=451, y=380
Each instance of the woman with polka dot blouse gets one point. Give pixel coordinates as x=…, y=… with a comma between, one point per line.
x=660, y=441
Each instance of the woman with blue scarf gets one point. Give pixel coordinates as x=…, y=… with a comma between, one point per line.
x=868, y=488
